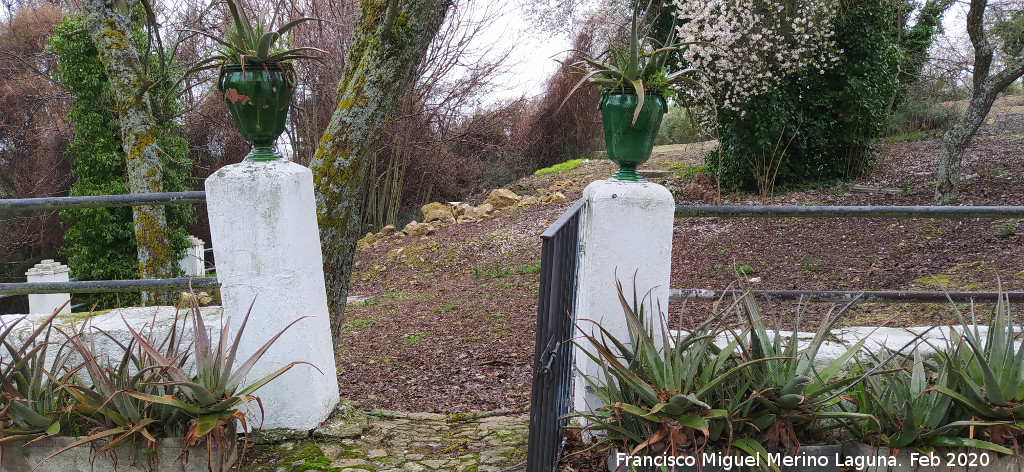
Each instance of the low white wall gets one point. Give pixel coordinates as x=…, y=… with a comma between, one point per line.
x=153, y=322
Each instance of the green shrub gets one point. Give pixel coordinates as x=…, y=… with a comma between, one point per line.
x=679, y=126
x=99, y=243
x=919, y=113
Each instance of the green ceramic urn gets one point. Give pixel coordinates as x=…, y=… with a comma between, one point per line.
x=630, y=144
x=258, y=96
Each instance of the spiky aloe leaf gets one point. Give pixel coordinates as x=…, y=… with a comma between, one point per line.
x=693, y=421
x=266, y=42
x=796, y=386
x=170, y=401
x=235, y=377
x=205, y=423
x=945, y=441
x=993, y=392
x=977, y=408
x=755, y=449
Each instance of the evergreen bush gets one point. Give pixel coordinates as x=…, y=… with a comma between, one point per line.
x=99, y=243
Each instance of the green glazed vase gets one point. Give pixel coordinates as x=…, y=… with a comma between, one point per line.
x=258, y=96
x=628, y=144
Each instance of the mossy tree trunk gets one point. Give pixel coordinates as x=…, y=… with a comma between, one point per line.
x=987, y=86
x=109, y=24
x=390, y=40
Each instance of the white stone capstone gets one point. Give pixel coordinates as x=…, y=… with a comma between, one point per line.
x=193, y=263
x=267, y=244
x=48, y=271
x=626, y=231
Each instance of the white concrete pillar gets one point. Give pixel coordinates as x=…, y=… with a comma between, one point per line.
x=48, y=271
x=627, y=230
x=267, y=243
x=193, y=263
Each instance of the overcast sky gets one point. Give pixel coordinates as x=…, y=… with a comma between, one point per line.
x=533, y=55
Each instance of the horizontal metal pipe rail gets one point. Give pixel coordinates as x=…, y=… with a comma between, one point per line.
x=791, y=211
x=795, y=211
x=99, y=201
x=108, y=286
x=834, y=296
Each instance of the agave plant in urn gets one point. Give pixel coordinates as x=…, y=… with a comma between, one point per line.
x=257, y=77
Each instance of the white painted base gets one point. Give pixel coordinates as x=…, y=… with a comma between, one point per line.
x=45, y=303
x=193, y=263
x=267, y=245
x=627, y=234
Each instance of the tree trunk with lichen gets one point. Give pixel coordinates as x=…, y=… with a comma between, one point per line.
x=390, y=40
x=987, y=86
x=109, y=24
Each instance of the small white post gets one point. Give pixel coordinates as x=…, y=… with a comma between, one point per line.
x=193, y=263
x=267, y=243
x=627, y=230
x=48, y=271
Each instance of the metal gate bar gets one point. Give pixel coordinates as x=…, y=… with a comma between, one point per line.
x=100, y=201
x=108, y=286
x=552, y=355
x=888, y=296
x=791, y=211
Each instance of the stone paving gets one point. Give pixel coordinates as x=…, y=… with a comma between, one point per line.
x=356, y=440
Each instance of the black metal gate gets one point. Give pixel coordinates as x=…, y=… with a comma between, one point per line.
x=552, y=356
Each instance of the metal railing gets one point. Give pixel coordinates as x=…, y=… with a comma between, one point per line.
x=104, y=286
x=100, y=201
x=793, y=211
x=552, y=355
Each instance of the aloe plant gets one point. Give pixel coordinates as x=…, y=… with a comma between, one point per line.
x=32, y=402
x=108, y=407
x=793, y=397
x=906, y=409
x=249, y=42
x=639, y=65
x=213, y=395
x=990, y=369
x=665, y=393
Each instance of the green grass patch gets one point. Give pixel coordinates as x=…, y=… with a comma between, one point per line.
x=413, y=338
x=359, y=323
x=447, y=307
x=493, y=271
x=531, y=268
x=559, y=168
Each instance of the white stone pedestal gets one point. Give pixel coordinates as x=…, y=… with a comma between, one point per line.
x=264, y=233
x=48, y=271
x=627, y=231
x=193, y=264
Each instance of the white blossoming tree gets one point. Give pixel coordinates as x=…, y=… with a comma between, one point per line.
x=796, y=89
x=746, y=48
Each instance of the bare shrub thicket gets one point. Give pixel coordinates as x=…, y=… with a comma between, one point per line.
x=445, y=143
x=560, y=131
x=315, y=97
x=420, y=158
x=33, y=135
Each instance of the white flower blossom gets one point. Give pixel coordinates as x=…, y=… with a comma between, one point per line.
x=743, y=53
